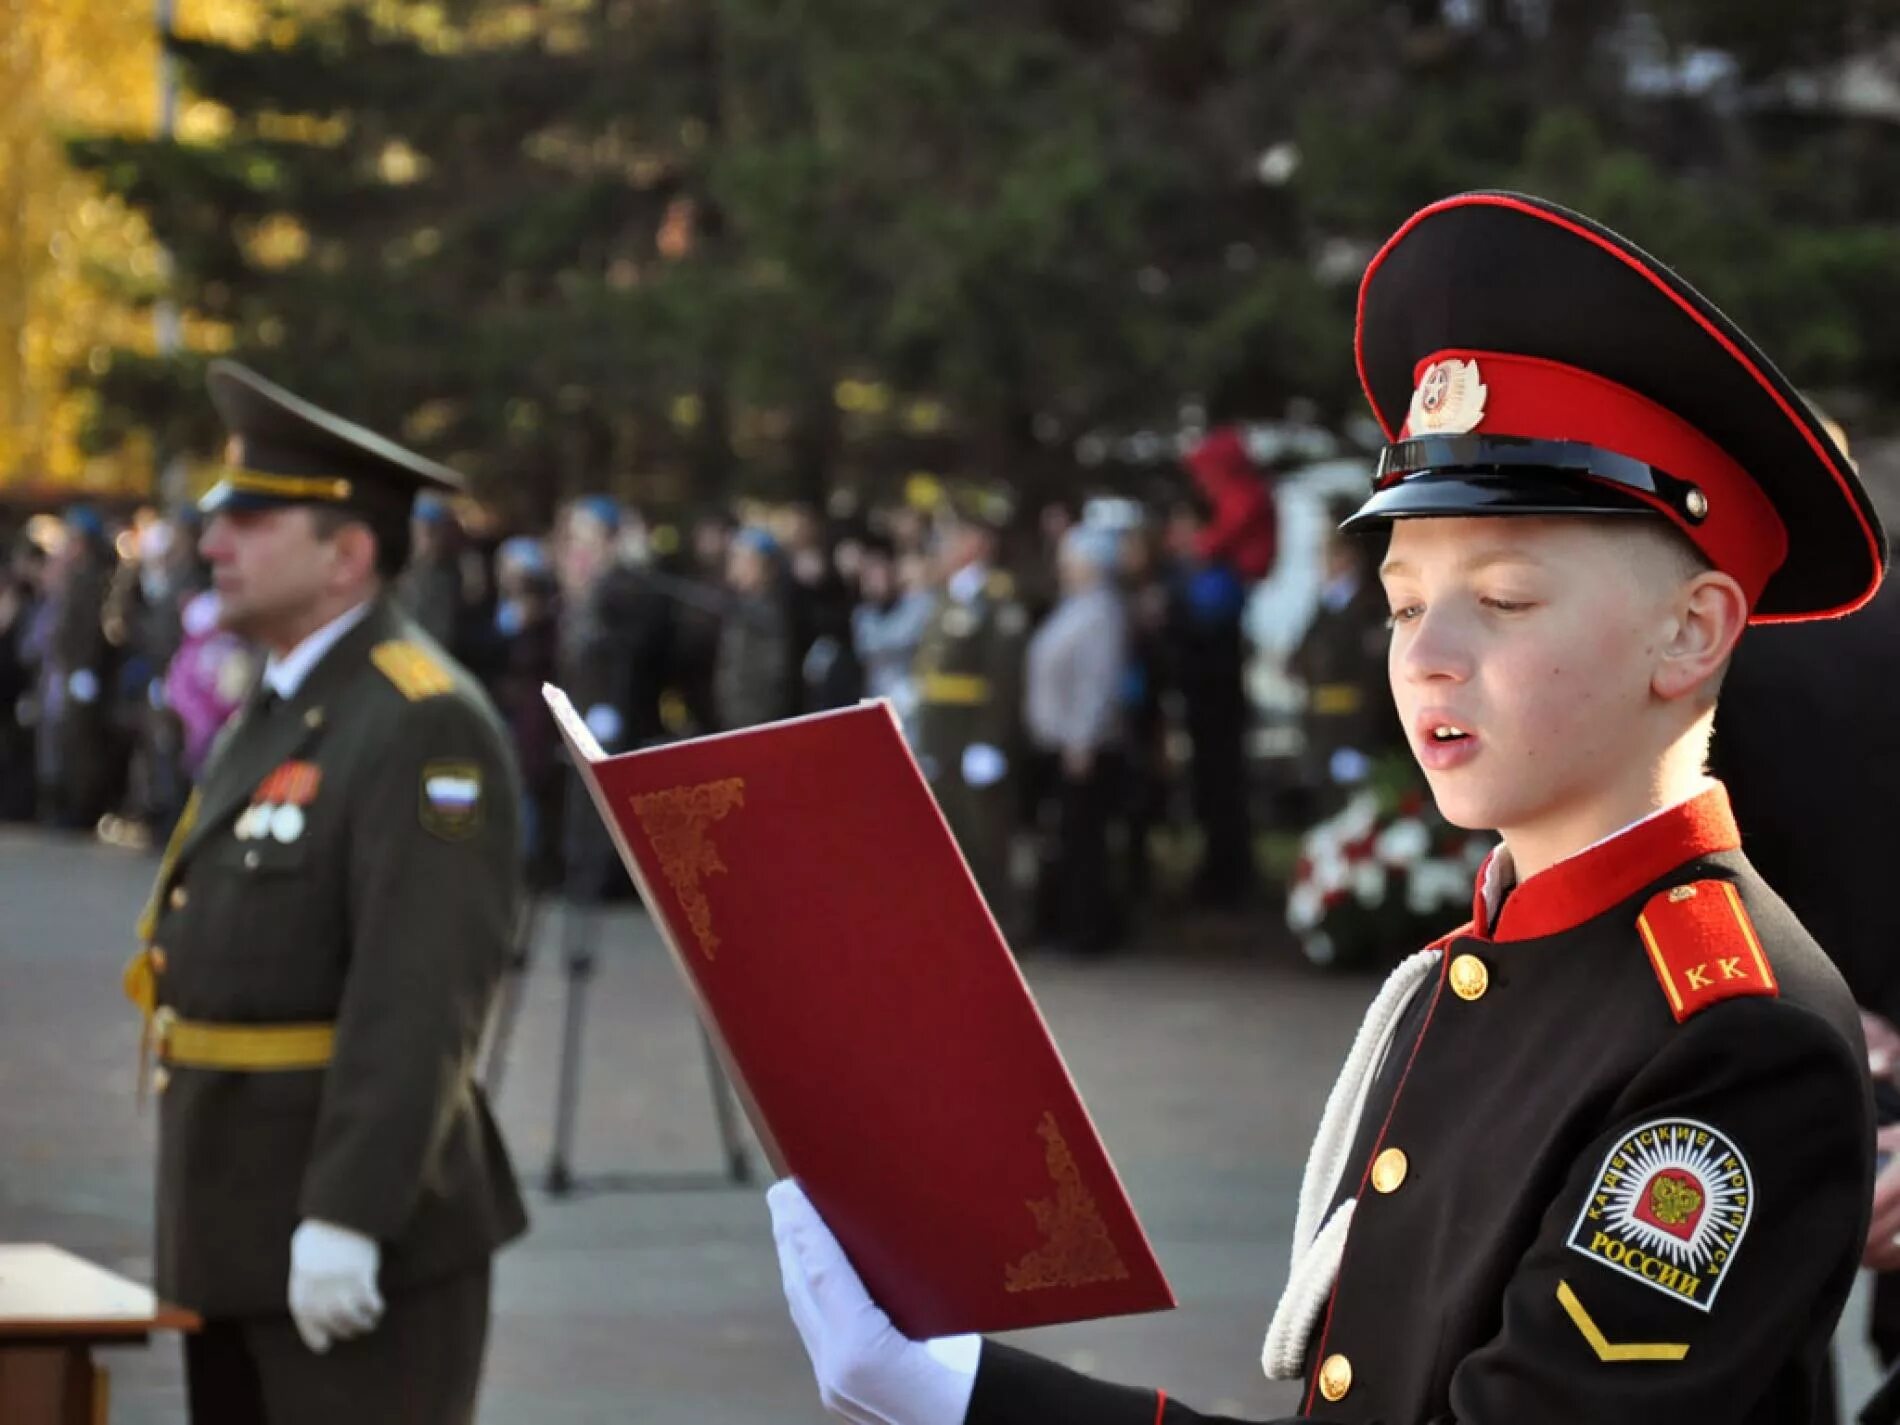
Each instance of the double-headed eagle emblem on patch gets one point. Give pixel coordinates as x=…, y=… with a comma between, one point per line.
x=1669, y=1207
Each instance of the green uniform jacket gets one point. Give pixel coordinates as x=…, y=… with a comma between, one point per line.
x=969, y=670
x=386, y=906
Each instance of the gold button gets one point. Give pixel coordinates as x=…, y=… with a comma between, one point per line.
x=1388, y=1170
x=1681, y=894
x=158, y=959
x=252, y=860
x=1335, y=1378
x=1697, y=504
x=178, y=898
x=161, y=1079
x=1469, y=978
x=313, y=718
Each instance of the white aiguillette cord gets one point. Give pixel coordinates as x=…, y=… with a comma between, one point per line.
x=1316, y=1249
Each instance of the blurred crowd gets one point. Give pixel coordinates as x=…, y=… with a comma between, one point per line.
x=1074, y=680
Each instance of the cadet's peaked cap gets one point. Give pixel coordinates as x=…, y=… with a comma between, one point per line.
x=1523, y=359
x=284, y=451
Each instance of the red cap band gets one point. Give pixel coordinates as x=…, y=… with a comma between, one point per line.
x=1530, y=397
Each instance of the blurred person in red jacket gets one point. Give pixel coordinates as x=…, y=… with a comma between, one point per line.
x=1220, y=543
x=1242, y=529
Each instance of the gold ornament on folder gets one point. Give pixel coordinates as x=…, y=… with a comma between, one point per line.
x=678, y=823
x=1076, y=1249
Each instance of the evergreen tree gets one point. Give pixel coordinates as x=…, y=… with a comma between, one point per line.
x=775, y=245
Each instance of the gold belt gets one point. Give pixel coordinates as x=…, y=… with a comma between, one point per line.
x=243, y=1048
x=956, y=689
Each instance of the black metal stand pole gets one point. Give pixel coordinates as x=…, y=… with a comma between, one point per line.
x=578, y=924
x=726, y=1113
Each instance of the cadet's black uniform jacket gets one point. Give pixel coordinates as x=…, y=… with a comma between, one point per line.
x=384, y=903
x=1615, y=1167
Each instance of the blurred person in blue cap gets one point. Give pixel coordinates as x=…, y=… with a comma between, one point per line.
x=524, y=576
x=149, y=598
x=888, y=624
x=755, y=672
x=432, y=588
x=1208, y=661
x=824, y=666
x=78, y=752
x=1146, y=780
x=22, y=595
x=321, y=950
x=1072, y=696
x=616, y=637
x=617, y=627
x=696, y=617
x=525, y=653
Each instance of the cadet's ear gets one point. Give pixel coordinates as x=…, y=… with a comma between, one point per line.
x=1709, y=616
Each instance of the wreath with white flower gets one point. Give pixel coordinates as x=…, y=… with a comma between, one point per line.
x=1383, y=876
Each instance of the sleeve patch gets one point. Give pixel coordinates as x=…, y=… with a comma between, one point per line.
x=414, y=671
x=1669, y=1208
x=1703, y=947
x=451, y=801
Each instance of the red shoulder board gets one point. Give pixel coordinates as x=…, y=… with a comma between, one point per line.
x=1704, y=947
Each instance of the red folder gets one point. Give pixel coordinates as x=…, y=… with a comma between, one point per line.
x=874, y=1021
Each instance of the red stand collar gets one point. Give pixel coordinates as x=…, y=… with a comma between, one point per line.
x=1589, y=883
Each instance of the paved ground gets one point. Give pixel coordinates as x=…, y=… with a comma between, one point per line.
x=1205, y=1074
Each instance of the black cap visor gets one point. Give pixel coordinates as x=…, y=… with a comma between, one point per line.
x=1472, y=475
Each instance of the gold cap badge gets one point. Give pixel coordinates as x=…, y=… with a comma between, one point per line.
x=1449, y=399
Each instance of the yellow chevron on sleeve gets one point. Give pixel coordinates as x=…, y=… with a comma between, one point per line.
x=1592, y=1333
x=414, y=671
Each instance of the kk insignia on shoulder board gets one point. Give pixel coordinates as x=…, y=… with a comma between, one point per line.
x=451, y=803
x=1669, y=1208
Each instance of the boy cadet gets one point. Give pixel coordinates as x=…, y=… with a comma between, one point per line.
x=1603, y=1153
x=325, y=938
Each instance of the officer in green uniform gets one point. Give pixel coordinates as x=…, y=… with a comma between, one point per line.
x=326, y=935
x=1350, y=725
x=969, y=673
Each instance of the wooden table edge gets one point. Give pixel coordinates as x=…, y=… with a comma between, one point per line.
x=165, y=1318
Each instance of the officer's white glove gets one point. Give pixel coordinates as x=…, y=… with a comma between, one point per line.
x=603, y=720
x=983, y=765
x=869, y=1373
x=333, y=1293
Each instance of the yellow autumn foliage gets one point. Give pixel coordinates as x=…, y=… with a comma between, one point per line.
x=71, y=66
x=93, y=66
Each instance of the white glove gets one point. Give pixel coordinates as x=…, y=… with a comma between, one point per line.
x=983, y=765
x=333, y=1293
x=868, y=1372
x=603, y=720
